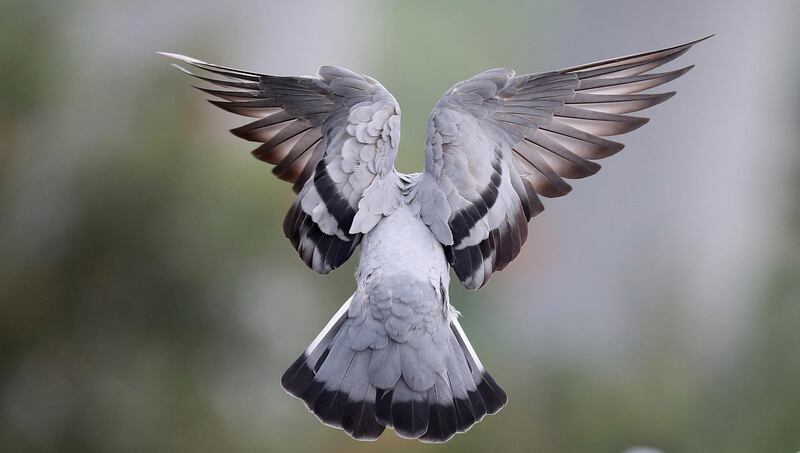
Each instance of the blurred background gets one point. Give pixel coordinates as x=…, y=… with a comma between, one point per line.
x=149, y=302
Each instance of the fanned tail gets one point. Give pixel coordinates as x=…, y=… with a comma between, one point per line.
x=354, y=378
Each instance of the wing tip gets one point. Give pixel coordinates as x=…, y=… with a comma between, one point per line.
x=672, y=75
x=692, y=43
x=702, y=39
x=671, y=50
x=241, y=131
x=179, y=57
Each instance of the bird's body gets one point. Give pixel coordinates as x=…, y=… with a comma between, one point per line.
x=396, y=342
x=395, y=355
x=402, y=247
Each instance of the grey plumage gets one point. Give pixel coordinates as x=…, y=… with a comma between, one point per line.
x=552, y=123
x=395, y=355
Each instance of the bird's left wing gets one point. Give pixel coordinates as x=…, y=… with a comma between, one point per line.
x=496, y=142
x=332, y=136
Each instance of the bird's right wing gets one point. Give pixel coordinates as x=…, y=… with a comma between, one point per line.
x=496, y=142
x=332, y=136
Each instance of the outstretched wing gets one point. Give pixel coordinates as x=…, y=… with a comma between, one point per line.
x=331, y=136
x=497, y=142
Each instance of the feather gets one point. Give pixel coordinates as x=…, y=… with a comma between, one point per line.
x=443, y=419
x=385, y=368
x=599, y=123
x=580, y=142
x=632, y=84
x=359, y=417
x=409, y=411
x=618, y=104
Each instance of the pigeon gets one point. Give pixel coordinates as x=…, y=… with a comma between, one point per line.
x=394, y=355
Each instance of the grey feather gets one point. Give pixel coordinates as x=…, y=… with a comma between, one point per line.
x=385, y=369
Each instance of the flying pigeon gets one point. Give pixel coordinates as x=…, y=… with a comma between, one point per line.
x=394, y=355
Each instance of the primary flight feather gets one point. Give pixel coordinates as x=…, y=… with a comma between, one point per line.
x=394, y=355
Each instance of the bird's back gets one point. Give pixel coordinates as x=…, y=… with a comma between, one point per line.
x=402, y=245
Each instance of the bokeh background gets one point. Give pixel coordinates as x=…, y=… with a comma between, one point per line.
x=149, y=302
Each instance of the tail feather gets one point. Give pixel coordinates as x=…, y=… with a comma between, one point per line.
x=364, y=387
x=383, y=406
x=491, y=393
x=332, y=402
x=470, y=407
x=359, y=418
x=299, y=375
x=409, y=411
x=466, y=413
x=493, y=396
x=443, y=416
